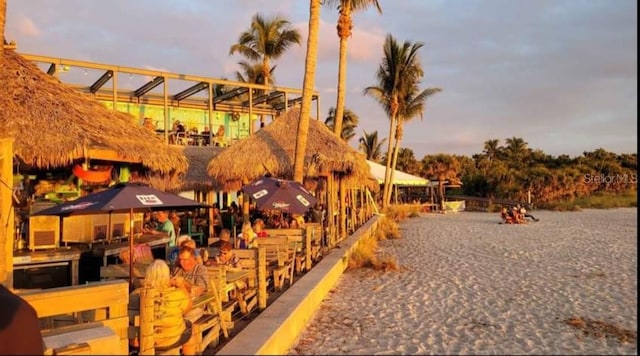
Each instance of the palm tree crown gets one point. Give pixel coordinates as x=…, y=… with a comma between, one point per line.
x=350, y=123
x=267, y=39
x=371, y=145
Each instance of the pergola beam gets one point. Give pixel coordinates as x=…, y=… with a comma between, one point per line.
x=101, y=81
x=230, y=95
x=149, y=86
x=265, y=98
x=191, y=91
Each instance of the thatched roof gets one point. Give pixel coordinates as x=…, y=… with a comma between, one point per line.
x=53, y=124
x=196, y=177
x=271, y=150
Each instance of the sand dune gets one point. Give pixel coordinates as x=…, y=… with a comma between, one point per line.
x=472, y=286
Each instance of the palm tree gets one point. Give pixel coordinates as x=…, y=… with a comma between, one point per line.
x=345, y=24
x=350, y=123
x=443, y=167
x=371, y=146
x=307, y=90
x=267, y=39
x=252, y=73
x=411, y=105
x=397, y=76
x=491, y=149
x=407, y=162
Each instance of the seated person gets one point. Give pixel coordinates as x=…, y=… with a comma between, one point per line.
x=227, y=258
x=515, y=215
x=165, y=226
x=183, y=240
x=506, y=217
x=225, y=235
x=525, y=215
x=247, y=237
x=172, y=330
x=204, y=256
x=258, y=228
x=193, y=277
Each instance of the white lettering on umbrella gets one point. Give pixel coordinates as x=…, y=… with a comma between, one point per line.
x=302, y=200
x=78, y=206
x=150, y=199
x=259, y=194
x=280, y=205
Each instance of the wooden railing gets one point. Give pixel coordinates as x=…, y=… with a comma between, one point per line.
x=95, y=306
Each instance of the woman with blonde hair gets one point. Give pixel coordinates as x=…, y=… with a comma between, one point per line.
x=248, y=236
x=171, y=329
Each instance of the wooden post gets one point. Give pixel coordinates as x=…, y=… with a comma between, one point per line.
x=6, y=212
x=330, y=209
x=343, y=207
x=147, y=298
x=307, y=247
x=262, y=277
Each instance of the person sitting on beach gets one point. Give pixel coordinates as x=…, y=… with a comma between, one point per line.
x=517, y=217
x=172, y=330
x=524, y=214
x=506, y=217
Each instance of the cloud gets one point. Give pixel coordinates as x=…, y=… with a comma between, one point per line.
x=561, y=74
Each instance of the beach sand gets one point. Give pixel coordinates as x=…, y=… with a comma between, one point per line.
x=472, y=286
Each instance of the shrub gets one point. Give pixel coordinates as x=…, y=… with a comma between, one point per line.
x=387, y=229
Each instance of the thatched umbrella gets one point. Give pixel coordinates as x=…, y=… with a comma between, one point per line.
x=271, y=150
x=54, y=125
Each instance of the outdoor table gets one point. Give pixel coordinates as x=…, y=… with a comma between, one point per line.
x=114, y=249
x=235, y=276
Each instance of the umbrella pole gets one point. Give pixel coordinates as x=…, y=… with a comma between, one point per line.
x=109, y=229
x=131, y=261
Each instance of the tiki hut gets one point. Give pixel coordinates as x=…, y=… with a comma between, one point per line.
x=328, y=160
x=196, y=177
x=271, y=150
x=55, y=125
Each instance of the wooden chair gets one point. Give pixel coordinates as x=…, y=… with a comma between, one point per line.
x=194, y=234
x=279, y=259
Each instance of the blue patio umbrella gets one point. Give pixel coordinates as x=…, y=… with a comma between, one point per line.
x=278, y=194
x=122, y=198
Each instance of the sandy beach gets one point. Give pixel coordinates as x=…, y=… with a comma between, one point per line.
x=469, y=285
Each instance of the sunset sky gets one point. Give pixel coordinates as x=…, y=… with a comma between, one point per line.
x=561, y=74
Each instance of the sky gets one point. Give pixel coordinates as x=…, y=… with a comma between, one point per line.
x=560, y=74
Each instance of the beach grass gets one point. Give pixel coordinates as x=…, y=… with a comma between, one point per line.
x=366, y=254
x=599, y=200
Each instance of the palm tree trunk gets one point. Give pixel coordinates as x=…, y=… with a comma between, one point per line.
x=265, y=72
x=344, y=31
x=387, y=172
x=396, y=149
x=307, y=90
